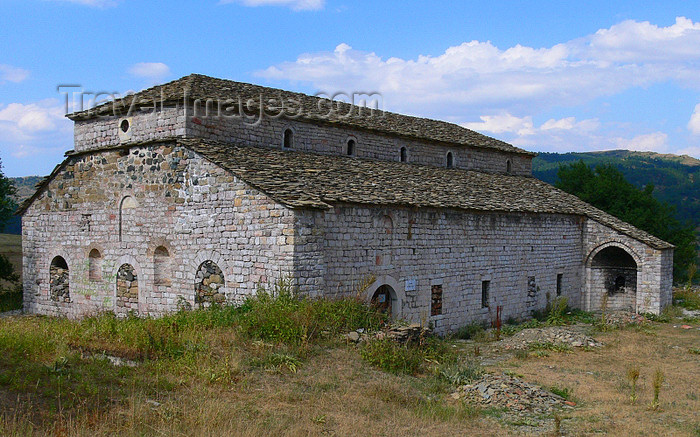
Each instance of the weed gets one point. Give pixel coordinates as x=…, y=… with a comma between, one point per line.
x=564, y=392
x=469, y=331
x=557, y=311
x=656, y=383
x=522, y=354
x=409, y=358
x=694, y=350
x=687, y=297
x=633, y=376
x=457, y=374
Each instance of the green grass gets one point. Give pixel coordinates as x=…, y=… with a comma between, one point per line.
x=408, y=358
x=687, y=297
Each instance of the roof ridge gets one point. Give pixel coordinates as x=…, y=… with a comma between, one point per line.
x=368, y=117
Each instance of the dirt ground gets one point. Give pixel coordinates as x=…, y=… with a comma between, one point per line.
x=599, y=383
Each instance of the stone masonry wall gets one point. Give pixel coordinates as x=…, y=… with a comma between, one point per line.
x=166, y=198
x=415, y=250
x=168, y=122
x=654, y=269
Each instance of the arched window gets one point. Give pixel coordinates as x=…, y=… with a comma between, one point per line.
x=388, y=224
x=95, y=265
x=351, y=148
x=288, y=140
x=403, y=154
x=209, y=283
x=450, y=161
x=127, y=288
x=59, y=284
x=127, y=208
x=509, y=167
x=162, y=274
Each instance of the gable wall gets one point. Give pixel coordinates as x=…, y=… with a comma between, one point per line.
x=186, y=204
x=654, y=286
x=456, y=249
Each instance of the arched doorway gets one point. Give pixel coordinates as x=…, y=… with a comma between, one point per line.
x=127, y=289
x=382, y=299
x=59, y=280
x=612, y=280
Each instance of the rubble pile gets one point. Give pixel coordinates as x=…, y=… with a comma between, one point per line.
x=557, y=335
x=504, y=391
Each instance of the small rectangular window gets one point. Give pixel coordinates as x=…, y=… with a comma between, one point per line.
x=436, y=300
x=485, y=288
x=560, y=278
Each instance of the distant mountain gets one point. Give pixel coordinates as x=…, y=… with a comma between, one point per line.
x=25, y=188
x=676, y=179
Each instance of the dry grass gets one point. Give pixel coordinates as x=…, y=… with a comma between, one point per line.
x=227, y=383
x=333, y=393
x=601, y=386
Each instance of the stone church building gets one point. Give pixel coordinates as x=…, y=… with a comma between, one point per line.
x=204, y=190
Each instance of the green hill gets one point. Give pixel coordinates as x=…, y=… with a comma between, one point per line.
x=25, y=188
x=676, y=179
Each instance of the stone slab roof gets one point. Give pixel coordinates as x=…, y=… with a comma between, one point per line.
x=308, y=180
x=309, y=108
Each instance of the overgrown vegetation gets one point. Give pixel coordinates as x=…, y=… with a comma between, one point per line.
x=409, y=358
x=687, y=297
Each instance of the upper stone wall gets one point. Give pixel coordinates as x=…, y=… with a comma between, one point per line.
x=168, y=122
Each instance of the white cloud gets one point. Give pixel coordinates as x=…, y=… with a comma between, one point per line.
x=694, y=123
x=93, y=3
x=478, y=76
x=34, y=126
x=154, y=71
x=297, y=5
x=690, y=151
x=552, y=135
x=12, y=74
x=502, y=123
x=653, y=142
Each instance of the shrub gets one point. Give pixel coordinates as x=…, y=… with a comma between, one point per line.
x=283, y=317
x=408, y=358
x=687, y=297
x=457, y=374
x=471, y=331
x=11, y=300
x=557, y=311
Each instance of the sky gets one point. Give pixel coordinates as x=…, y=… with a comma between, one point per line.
x=547, y=76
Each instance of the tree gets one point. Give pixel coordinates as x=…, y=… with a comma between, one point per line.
x=7, y=209
x=606, y=188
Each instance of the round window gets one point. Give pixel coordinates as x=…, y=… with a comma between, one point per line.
x=124, y=125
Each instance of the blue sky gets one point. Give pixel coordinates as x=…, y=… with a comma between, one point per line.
x=546, y=76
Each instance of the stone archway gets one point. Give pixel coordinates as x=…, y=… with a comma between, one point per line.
x=386, y=292
x=612, y=272
x=127, y=289
x=382, y=299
